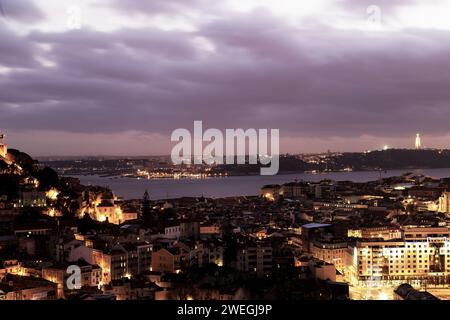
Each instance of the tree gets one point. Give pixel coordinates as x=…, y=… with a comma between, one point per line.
x=47, y=178
x=9, y=185
x=25, y=161
x=3, y=166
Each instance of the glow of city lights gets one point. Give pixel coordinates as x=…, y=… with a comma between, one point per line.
x=52, y=194
x=383, y=296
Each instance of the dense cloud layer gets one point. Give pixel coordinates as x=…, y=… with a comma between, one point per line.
x=230, y=68
x=24, y=11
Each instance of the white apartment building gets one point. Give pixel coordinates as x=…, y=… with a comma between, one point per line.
x=423, y=254
x=444, y=203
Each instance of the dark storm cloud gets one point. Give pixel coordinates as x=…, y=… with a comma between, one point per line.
x=15, y=50
x=262, y=72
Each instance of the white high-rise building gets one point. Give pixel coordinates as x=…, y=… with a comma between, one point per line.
x=418, y=142
x=421, y=255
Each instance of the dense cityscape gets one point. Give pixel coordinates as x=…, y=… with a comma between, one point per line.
x=232, y=159
x=380, y=240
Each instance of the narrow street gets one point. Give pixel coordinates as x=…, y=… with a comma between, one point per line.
x=372, y=293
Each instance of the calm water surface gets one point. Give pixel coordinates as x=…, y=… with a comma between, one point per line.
x=130, y=188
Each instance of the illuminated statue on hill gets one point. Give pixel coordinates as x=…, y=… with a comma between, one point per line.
x=418, y=142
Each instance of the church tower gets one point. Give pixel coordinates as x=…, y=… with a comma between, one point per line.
x=146, y=210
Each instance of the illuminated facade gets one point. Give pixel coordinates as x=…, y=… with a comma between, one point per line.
x=331, y=252
x=444, y=203
x=121, y=261
x=106, y=208
x=90, y=276
x=271, y=192
x=3, y=147
x=423, y=255
x=170, y=260
x=418, y=143
x=385, y=233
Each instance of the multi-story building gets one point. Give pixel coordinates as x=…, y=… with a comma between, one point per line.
x=386, y=233
x=32, y=198
x=424, y=192
x=444, y=203
x=311, y=232
x=106, y=211
x=294, y=190
x=10, y=266
x=422, y=255
x=120, y=261
x=170, y=260
x=126, y=289
x=180, y=255
x=14, y=287
x=322, y=205
x=90, y=275
x=209, y=229
x=322, y=270
x=426, y=205
x=323, y=190
x=207, y=252
x=139, y=257
x=331, y=251
x=255, y=258
x=183, y=230
x=172, y=231
x=105, y=207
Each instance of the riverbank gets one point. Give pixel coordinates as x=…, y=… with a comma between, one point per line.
x=230, y=186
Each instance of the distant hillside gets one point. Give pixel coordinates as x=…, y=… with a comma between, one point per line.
x=394, y=159
x=357, y=161
x=287, y=164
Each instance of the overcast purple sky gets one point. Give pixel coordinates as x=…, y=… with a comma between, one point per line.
x=327, y=73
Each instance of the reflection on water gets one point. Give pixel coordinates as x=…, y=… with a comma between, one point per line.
x=130, y=188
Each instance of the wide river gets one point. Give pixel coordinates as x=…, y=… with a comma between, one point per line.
x=130, y=188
